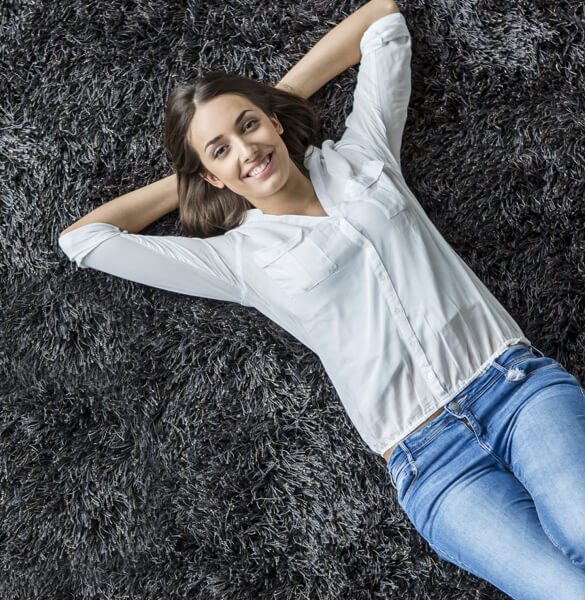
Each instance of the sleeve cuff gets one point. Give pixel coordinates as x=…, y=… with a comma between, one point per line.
x=382, y=31
x=78, y=243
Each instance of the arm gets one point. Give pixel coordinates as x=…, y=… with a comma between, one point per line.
x=208, y=268
x=198, y=267
x=135, y=210
x=336, y=51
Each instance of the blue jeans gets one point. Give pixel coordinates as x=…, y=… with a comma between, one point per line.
x=496, y=482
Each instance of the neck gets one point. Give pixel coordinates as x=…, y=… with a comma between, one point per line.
x=297, y=197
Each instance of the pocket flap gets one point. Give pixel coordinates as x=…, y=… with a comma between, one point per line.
x=365, y=177
x=265, y=256
x=370, y=172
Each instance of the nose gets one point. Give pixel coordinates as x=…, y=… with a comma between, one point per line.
x=248, y=151
x=249, y=154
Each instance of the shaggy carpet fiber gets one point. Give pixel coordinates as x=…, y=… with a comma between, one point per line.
x=155, y=445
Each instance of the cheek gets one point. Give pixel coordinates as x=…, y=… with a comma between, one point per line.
x=285, y=158
x=231, y=174
x=236, y=173
x=226, y=170
x=284, y=151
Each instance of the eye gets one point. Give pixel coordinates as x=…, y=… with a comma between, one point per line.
x=216, y=153
x=254, y=121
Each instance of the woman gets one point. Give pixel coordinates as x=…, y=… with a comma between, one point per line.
x=481, y=432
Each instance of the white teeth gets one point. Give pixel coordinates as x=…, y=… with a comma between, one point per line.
x=260, y=168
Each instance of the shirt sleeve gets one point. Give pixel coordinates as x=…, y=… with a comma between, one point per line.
x=187, y=265
x=382, y=91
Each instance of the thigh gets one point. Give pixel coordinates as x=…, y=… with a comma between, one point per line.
x=546, y=449
x=477, y=515
x=532, y=418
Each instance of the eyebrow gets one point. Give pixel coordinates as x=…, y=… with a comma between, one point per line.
x=217, y=137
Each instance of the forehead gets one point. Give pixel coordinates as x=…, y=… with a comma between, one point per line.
x=216, y=117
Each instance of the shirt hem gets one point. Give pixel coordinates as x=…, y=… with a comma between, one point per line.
x=442, y=403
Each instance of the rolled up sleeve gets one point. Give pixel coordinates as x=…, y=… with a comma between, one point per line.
x=193, y=266
x=382, y=91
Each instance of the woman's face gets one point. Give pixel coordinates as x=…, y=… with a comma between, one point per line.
x=240, y=146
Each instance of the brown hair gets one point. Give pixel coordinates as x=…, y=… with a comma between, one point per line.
x=205, y=210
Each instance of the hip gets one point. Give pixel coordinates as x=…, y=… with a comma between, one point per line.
x=473, y=385
x=388, y=452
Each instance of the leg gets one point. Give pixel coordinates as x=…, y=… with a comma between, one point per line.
x=546, y=449
x=476, y=514
x=534, y=423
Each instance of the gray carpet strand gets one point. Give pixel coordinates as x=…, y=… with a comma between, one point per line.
x=154, y=445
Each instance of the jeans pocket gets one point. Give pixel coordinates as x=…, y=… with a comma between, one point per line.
x=528, y=366
x=403, y=478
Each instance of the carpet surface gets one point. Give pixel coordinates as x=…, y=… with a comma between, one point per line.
x=154, y=445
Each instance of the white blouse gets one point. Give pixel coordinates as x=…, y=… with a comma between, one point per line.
x=398, y=319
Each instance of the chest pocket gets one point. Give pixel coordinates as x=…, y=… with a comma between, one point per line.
x=297, y=264
x=373, y=186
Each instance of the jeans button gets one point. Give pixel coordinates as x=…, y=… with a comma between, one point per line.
x=454, y=406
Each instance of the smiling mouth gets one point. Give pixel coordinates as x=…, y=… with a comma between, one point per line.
x=258, y=171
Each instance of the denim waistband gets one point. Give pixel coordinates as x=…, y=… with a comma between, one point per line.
x=503, y=365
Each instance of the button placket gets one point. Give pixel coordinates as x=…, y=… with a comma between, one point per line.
x=395, y=305
x=429, y=373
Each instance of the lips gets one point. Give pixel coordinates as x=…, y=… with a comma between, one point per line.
x=262, y=164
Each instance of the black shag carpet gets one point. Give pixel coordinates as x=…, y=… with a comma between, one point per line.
x=154, y=445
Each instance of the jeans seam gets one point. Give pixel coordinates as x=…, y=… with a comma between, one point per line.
x=428, y=440
x=518, y=360
x=485, y=445
x=408, y=492
x=449, y=557
x=397, y=469
x=412, y=463
x=544, y=368
x=554, y=365
x=500, y=373
x=550, y=536
x=556, y=545
x=489, y=450
x=479, y=393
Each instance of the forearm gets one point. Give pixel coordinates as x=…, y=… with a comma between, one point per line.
x=334, y=52
x=137, y=209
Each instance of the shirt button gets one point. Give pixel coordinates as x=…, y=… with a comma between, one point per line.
x=412, y=343
x=429, y=375
x=397, y=310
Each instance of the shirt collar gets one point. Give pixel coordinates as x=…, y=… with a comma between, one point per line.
x=313, y=163
x=332, y=175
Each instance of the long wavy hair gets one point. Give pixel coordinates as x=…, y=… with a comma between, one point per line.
x=205, y=210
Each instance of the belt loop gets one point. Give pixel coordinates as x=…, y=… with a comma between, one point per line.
x=407, y=452
x=537, y=350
